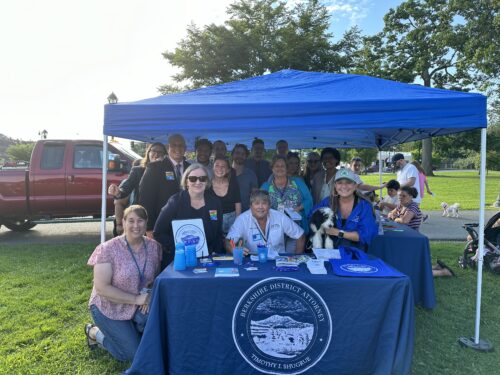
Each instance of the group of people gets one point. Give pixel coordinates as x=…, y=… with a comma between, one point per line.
x=245, y=197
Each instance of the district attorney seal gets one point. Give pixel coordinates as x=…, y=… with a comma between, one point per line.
x=282, y=326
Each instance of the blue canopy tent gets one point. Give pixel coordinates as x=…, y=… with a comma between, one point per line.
x=308, y=109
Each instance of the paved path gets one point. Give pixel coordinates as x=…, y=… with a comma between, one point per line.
x=436, y=228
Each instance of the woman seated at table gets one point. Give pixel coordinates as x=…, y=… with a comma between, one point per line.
x=288, y=191
x=123, y=268
x=261, y=225
x=196, y=200
x=225, y=186
x=354, y=219
x=408, y=212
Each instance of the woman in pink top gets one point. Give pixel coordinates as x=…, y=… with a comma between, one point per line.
x=124, y=268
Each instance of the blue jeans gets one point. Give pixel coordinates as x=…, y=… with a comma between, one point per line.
x=121, y=337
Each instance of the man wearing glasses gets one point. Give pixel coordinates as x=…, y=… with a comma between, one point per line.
x=162, y=179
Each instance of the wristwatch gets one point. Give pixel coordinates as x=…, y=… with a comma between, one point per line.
x=341, y=234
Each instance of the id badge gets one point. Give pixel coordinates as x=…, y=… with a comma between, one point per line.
x=170, y=176
x=281, y=207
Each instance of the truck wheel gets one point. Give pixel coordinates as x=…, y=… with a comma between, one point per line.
x=19, y=225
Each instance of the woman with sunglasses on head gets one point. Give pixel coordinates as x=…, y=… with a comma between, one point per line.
x=313, y=166
x=124, y=267
x=127, y=193
x=195, y=200
x=323, y=180
x=225, y=186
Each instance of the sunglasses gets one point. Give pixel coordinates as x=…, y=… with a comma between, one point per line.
x=193, y=179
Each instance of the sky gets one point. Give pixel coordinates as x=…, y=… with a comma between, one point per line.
x=60, y=59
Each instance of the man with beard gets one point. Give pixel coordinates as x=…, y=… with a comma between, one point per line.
x=257, y=163
x=407, y=175
x=245, y=176
x=203, y=151
x=162, y=179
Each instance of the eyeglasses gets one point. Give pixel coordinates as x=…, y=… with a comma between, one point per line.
x=193, y=179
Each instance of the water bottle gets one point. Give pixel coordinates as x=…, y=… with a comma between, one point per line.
x=191, y=260
x=180, y=257
x=379, y=222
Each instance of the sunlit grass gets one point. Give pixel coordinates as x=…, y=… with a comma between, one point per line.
x=452, y=187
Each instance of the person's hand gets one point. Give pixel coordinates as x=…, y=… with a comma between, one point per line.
x=384, y=184
x=390, y=216
x=246, y=251
x=149, y=234
x=332, y=232
x=141, y=299
x=113, y=190
x=145, y=307
x=299, y=208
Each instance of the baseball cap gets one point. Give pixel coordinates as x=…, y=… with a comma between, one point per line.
x=345, y=174
x=397, y=157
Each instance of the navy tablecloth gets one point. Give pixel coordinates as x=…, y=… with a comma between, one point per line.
x=320, y=324
x=408, y=251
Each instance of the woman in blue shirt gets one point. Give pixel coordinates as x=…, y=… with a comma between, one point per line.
x=354, y=219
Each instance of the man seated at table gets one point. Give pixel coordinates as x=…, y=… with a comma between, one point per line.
x=261, y=225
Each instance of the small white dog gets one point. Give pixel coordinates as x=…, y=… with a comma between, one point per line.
x=450, y=210
x=321, y=220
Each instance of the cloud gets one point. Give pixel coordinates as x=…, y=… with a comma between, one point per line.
x=355, y=10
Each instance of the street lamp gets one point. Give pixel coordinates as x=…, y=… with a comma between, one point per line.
x=43, y=134
x=112, y=98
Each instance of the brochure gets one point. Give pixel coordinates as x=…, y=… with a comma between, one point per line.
x=326, y=254
x=226, y=272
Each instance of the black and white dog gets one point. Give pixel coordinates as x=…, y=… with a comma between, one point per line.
x=323, y=218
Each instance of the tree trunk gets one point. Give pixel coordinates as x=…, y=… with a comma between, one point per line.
x=427, y=143
x=427, y=156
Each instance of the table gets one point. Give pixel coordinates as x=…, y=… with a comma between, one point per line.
x=277, y=322
x=408, y=251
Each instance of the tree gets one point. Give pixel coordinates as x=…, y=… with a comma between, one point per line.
x=20, y=151
x=261, y=36
x=421, y=41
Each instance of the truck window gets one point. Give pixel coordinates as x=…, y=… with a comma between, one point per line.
x=52, y=156
x=87, y=156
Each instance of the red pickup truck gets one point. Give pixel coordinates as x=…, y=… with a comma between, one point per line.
x=63, y=180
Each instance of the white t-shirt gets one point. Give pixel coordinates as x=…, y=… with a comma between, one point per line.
x=278, y=224
x=407, y=172
x=391, y=200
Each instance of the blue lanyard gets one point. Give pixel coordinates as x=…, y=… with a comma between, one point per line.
x=141, y=274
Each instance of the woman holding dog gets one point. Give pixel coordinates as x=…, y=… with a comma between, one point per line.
x=354, y=219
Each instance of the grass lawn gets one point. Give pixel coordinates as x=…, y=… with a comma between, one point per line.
x=451, y=187
x=44, y=291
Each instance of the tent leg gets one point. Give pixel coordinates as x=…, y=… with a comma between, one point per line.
x=380, y=172
x=476, y=343
x=104, y=186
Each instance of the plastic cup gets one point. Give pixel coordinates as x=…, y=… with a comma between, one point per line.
x=262, y=252
x=238, y=256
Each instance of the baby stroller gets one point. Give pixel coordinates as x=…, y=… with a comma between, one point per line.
x=491, y=245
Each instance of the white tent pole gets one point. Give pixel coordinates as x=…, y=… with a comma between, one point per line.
x=380, y=171
x=482, y=201
x=104, y=186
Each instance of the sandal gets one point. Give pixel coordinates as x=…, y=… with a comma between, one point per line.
x=445, y=267
x=91, y=343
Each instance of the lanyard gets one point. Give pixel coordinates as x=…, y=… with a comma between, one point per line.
x=141, y=274
x=268, y=225
x=280, y=191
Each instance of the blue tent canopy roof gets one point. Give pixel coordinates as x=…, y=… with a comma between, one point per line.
x=308, y=109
